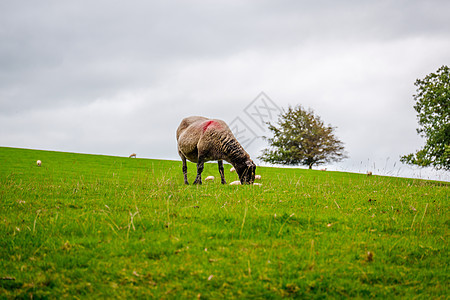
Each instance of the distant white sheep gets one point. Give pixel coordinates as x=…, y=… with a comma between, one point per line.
x=209, y=178
x=39, y=163
x=239, y=183
x=232, y=169
x=257, y=176
x=369, y=173
x=132, y=155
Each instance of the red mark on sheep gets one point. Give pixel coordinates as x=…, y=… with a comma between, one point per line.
x=207, y=124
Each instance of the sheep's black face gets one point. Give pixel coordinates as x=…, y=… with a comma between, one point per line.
x=246, y=172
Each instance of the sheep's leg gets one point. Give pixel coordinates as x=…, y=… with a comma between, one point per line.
x=198, y=179
x=183, y=158
x=222, y=175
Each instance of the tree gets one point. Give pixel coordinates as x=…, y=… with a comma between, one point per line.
x=302, y=139
x=433, y=113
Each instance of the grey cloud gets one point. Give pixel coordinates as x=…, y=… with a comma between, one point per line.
x=108, y=77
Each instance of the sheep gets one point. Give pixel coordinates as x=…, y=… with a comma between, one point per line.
x=237, y=182
x=132, y=155
x=369, y=173
x=232, y=169
x=257, y=176
x=39, y=163
x=209, y=178
x=201, y=139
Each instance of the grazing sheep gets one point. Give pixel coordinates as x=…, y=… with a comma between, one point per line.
x=132, y=155
x=39, y=163
x=257, y=176
x=232, y=169
x=201, y=139
x=209, y=178
x=369, y=173
x=237, y=182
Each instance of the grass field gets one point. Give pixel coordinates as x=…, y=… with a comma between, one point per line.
x=87, y=226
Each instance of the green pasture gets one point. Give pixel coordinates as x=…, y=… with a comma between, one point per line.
x=89, y=226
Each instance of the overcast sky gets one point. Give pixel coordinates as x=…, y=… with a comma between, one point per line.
x=117, y=77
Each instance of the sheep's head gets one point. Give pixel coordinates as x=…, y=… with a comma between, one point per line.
x=246, y=172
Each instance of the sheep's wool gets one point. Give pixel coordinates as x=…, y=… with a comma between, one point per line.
x=39, y=163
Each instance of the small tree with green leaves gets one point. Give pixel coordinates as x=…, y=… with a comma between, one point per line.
x=433, y=113
x=301, y=138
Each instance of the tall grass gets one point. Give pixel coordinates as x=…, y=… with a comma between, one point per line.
x=87, y=226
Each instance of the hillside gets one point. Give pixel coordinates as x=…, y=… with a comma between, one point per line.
x=90, y=226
